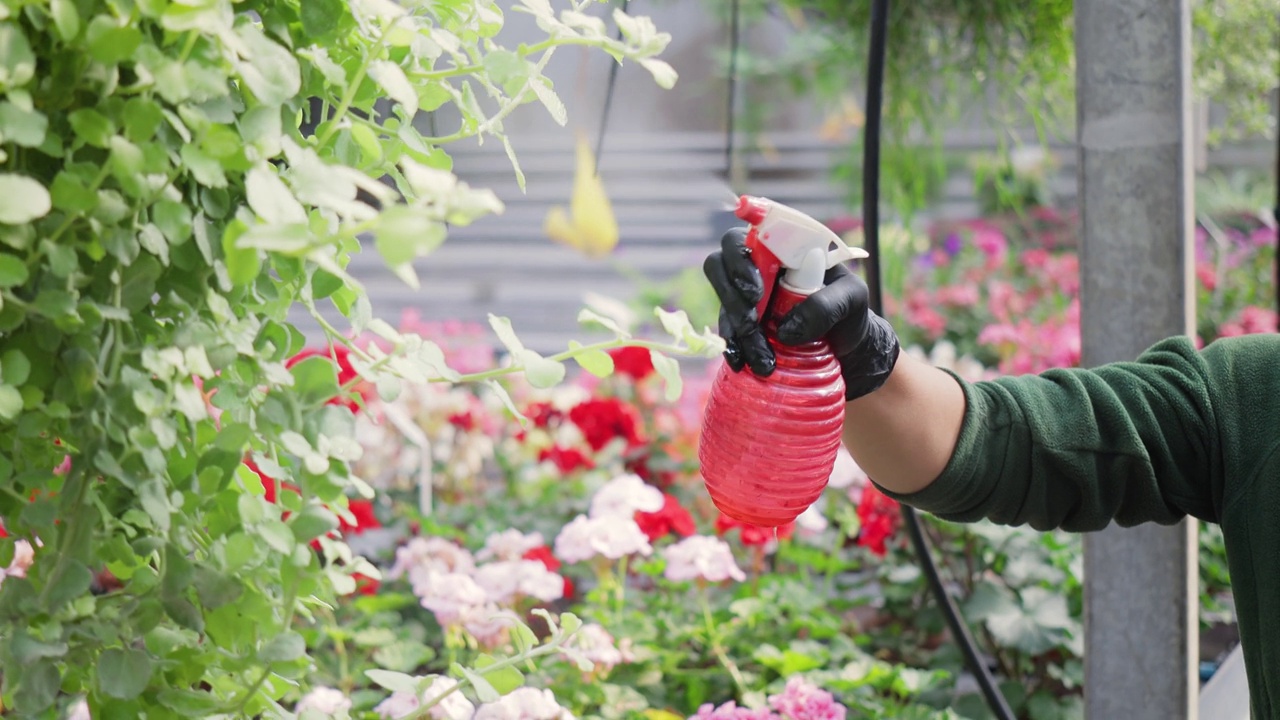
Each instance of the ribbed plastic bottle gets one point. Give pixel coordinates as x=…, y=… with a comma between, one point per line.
x=768, y=444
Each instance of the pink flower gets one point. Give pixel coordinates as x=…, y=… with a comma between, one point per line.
x=801, y=700
x=624, y=496
x=509, y=545
x=324, y=702
x=524, y=703
x=79, y=711
x=731, y=711
x=450, y=596
x=1255, y=319
x=507, y=581
x=965, y=295
x=609, y=536
x=993, y=244
x=846, y=471
x=23, y=557
x=455, y=705
x=422, y=556
x=596, y=644
x=701, y=557
x=488, y=624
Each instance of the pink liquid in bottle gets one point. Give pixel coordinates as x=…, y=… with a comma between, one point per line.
x=768, y=444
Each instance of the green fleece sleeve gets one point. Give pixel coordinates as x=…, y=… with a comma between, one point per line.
x=1075, y=449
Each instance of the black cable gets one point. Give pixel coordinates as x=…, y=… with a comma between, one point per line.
x=871, y=227
x=608, y=98
x=733, y=88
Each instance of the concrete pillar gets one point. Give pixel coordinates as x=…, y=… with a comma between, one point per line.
x=1135, y=131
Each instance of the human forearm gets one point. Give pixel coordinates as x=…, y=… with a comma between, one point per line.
x=903, y=434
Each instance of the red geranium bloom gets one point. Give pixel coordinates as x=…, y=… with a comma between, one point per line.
x=551, y=562
x=542, y=414
x=671, y=518
x=365, y=518
x=880, y=516
x=752, y=535
x=346, y=372
x=640, y=466
x=269, y=484
x=366, y=585
x=566, y=459
x=603, y=419
x=634, y=362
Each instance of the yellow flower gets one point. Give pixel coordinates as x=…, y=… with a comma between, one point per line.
x=589, y=227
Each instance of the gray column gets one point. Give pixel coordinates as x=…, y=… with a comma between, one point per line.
x=1135, y=132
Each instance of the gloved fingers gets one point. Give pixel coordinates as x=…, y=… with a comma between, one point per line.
x=738, y=285
x=740, y=312
x=746, y=348
x=732, y=351
x=739, y=268
x=844, y=297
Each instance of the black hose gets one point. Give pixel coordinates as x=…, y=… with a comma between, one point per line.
x=871, y=227
x=608, y=98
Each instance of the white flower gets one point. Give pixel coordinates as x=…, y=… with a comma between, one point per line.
x=422, y=556
x=509, y=545
x=596, y=644
x=23, y=556
x=450, y=596
x=612, y=537
x=488, y=624
x=524, y=703
x=701, y=557
x=624, y=495
x=455, y=706
x=846, y=471
x=324, y=702
x=507, y=581
x=812, y=521
x=398, y=705
x=79, y=711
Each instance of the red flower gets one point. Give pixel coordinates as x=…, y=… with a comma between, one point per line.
x=752, y=535
x=542, y=414
x=269, y=484
x=603, y=419
x=551, y=562
x=464, y=420
x=880, y=517
x=365, y=585
x=566, y=459
x=365, y=518
x=346, y=372
x=671, y=518
x=634, y=362
x=640, y=466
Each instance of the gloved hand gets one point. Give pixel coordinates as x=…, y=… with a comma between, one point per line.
x=863, y=342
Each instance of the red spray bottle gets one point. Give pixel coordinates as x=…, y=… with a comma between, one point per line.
x=768, y=444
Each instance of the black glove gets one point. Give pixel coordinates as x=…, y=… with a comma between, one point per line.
x=863, y=342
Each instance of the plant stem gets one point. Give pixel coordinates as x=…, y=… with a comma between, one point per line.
x=291, y=599
x=349, y=95
x=515, y=101
x=425, y=709
x=713, y=637
x=71, y=218
x=65, y=542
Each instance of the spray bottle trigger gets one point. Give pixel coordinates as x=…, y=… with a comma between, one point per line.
x=843, y=253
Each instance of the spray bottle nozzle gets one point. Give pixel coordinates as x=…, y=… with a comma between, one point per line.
x=802, y=245
x=751, y=209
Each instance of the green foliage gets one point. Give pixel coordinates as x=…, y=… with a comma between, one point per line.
x=178, y=175
x=1237, y=64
